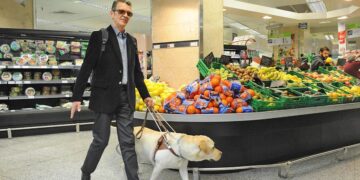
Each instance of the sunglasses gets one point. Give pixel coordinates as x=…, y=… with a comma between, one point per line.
x=122, y=12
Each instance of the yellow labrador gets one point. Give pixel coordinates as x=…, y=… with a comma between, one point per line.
x=181, y=149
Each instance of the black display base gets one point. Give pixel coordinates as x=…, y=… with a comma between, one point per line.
x=274, y=140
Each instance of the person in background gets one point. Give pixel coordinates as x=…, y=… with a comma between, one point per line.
x=320, y=60
x=115, y=75
x=352, y=66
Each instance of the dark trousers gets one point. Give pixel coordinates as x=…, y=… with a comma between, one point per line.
x=101, y=134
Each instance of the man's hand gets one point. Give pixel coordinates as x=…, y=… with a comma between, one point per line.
x=76, y=106
x=149, y=102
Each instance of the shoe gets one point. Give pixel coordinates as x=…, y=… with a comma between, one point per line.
x=85, y=176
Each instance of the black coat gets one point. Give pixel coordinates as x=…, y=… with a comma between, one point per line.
x=318, y=61
x=107, y=73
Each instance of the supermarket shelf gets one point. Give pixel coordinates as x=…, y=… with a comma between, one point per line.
x=4, y=97
x=40, y=67
x=42, y=82
x=40, y=97
x=254, y=116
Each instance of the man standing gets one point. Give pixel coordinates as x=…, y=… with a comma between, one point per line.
x=116, y=73
x=320, y=60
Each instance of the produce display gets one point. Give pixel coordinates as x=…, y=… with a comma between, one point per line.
x=327, y=78
x=224, y=73
x=212, y=95
x=159, y=91
x=244, y=74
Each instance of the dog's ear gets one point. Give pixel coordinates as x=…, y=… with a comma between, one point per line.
x=204, y=147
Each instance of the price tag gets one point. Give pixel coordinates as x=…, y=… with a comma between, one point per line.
x=156, y=46
x=18, y=82
x=64, y=82
x=27, y=82
x=2, y=67
x=171, y=45
x=26, y=67
x=16, y=67
x=11, y=82
x=194, y=44
x=67, y=95
x=31, y=97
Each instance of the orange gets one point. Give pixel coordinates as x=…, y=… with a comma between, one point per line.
x=207, y=93
x=236, y=103
x=222, y=96
x=181, y=108
x=196, y=97
x=218, y=89
x=244, y=95
x=251, y=92
x=239, y=110
x=216, y=76
x=210, y=105
x=243, y=88
x=198, y=111
x=191, y=109
x=215, y=104
x=224, y=102
x=229, y=100
x=226, y=83
x=214, y=82
x=178, y=102
x=161, y=110
x=216, y=110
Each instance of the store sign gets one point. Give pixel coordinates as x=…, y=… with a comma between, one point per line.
x=342, y=38
x=303, y=25
x=280, y=39
x=353, y=30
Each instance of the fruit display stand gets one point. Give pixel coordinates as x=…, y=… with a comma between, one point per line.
x=272, y=136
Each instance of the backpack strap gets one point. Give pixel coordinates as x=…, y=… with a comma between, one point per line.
x=104, y=39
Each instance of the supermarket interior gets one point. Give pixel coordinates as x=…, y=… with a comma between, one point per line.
x=274, y=85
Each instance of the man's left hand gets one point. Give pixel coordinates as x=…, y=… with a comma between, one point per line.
x=149, y=102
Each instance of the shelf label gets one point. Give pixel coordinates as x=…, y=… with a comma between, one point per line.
x=156, y=46
x=26, y=67
x=171, y=45
x=31, y=97
x=11, y=82
x=43, y=67
x=55, y=67
x=18, y=82
x=64, y=82
x=194, y=44
x=2, y=67
x=16, y=66
x=67, y=95
x=27, y=82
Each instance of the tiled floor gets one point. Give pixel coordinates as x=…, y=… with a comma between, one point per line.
x=59, y=157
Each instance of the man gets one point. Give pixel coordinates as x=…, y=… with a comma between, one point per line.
x=320, y=60
x=115, y=76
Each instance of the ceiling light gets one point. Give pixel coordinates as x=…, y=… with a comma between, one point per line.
x=348, y=0
x=78, y=1
x=316, y=6
x=331, y=37
x=325, y=22
x=267, y=17
x=224, y=9
x=342, y=17
x=327, y=37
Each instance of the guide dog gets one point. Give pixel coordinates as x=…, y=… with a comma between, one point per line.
x=174, y=151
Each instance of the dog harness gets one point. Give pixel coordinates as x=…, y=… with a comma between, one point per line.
x=163, y=144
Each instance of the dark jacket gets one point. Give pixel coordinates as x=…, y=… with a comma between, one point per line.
x=107, y=73
x=319, y=61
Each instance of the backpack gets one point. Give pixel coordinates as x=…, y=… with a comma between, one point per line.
x=104, y=39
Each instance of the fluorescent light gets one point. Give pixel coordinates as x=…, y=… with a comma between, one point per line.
x=325, y=22
x=79, y=1
x=348, y=0
x=267, y=17
x=327, y=37
x=239, y=26
x=331, y=37
x=342, y=17
x=316, y=6
x=224, y=9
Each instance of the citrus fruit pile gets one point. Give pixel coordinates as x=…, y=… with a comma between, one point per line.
x=212, y=95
